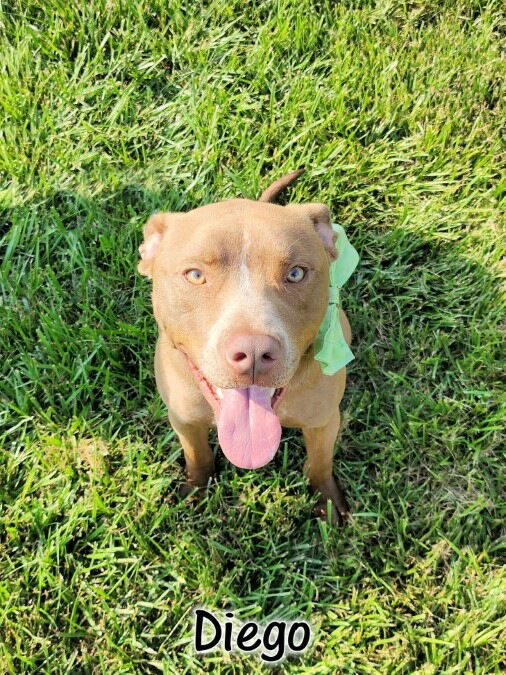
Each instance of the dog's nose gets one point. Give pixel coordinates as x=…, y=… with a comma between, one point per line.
x=252, y=354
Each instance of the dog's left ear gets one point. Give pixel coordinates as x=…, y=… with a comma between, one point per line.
x=154, y=230
x=320, y=216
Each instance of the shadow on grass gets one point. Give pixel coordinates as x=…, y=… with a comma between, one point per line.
x=417, y=454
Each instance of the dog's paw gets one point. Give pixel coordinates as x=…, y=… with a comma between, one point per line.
x=193, y=492
x=331, y=503
x=327, y=511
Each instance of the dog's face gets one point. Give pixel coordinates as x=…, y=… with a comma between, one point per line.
x=240, y=287
x=240, y=268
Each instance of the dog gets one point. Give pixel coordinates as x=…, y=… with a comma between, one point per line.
x=239, y=291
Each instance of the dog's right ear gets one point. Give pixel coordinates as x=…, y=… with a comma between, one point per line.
x=154, y=230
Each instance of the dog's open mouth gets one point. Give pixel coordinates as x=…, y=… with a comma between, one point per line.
x=249, y=430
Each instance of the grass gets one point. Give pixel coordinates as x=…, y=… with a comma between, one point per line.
x=112, y=110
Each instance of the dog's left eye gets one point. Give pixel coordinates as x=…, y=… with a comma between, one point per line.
x=296, y=274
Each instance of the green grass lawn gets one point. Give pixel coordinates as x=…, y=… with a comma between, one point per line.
x=117, y=109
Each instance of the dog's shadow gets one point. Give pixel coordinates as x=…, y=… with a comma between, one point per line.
x=416, y=452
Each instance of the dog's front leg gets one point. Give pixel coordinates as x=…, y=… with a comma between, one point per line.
x=318, y=468
x=197, y=452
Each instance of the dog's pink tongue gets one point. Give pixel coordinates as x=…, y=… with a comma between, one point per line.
x=248, y=430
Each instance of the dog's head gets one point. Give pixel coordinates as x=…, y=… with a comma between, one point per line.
x=241, y=288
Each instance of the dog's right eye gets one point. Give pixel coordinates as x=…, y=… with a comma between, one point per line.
x=195, y=276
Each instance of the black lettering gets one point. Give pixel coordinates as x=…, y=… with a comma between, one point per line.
x=228, y=633
x=200, y=615
x=279, y=643
x=248, y=631
x=306, y=636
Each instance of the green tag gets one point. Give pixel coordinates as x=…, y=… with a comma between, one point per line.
x=330, y=346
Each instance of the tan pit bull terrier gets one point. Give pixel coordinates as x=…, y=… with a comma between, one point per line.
x=240, y=289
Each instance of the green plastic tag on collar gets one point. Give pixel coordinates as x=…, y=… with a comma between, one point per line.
x=330, y=347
